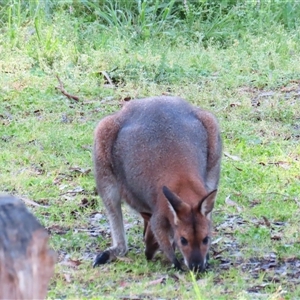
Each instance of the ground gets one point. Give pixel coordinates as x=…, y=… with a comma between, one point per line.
x=251, y=84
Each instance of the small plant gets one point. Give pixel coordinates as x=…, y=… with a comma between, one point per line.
x=196, y=287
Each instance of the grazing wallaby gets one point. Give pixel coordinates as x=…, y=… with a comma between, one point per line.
x=162, y=156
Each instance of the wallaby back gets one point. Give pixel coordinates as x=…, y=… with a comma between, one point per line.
x=162, y=156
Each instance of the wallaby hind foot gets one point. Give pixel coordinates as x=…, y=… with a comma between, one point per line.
x=102, y=258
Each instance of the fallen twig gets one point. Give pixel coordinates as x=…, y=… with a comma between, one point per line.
x=105, y=74
x=233, y=157
x=30, y=202
x=296, y=200
x=63, y=91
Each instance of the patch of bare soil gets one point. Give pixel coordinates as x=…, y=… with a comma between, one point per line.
x=228, y=253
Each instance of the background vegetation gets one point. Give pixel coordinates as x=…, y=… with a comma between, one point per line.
x=239, y=59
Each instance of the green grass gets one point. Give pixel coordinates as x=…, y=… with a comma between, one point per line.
x=245, y=70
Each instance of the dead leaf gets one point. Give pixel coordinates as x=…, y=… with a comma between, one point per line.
x=161, y=280
x=291, y=88
x=254, y=202
x=259, y=287
x=283, y=164
x=269, y=265
x=235, y=104
x=6, y=138
x=270, y=256
x=85, y=203
x=216, y=241
x=62, y=187
x=88, y=203
x=76, y=190
x=71, y=263
x=217, y=254
x=123, y=284
x=57, y=180
x=266, y=94
x=276, y=237
x=225, y=264
x=125, y=259
x=80, y=170
x=239, y=169
x=86, y=147
x=19, y=86
x=230, y=202
x=267, y=222
x=57, y=229
x=233, y=157
x=255, y=102
x=67, y=277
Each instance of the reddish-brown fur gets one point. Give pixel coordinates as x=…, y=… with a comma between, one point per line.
x=162, y=156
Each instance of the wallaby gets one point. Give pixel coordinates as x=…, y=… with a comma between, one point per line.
x=162, y=156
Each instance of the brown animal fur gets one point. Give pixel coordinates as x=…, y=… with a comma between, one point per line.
x=162, y=156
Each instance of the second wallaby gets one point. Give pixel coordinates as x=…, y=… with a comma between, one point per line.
x=162, y=156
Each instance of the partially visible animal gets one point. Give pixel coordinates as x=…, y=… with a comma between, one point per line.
x=162, y=156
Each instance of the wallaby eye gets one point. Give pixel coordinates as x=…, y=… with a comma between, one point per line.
x=183, y=241
x=205, y=240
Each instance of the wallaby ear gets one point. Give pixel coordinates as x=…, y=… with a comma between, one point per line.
x=174, y=202
x=206, y=205
x=173, y=199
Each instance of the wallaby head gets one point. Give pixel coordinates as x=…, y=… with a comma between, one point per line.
x=192, y=227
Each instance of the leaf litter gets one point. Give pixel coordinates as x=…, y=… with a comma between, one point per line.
x=226, y=251
x=226, y=254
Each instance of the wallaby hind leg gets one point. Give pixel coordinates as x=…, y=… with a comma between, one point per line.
x=114, y=213
x=108, y=189
x=214, y=149
x=160, y=227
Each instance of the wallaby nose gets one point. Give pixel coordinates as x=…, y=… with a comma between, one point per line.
x=197, y=267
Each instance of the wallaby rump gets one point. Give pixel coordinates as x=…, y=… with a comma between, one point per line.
x=162, y=156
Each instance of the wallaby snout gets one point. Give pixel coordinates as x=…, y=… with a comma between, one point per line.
x=197, y=266
x=198, y=263
x=162, y=156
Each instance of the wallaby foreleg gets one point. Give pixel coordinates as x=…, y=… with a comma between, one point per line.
x=160, y=226
x=150, y=242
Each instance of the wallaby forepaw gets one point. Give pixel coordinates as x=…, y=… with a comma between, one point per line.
x=149, y=254
x=177, y=265
x=207, y=257
x=101, y=258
